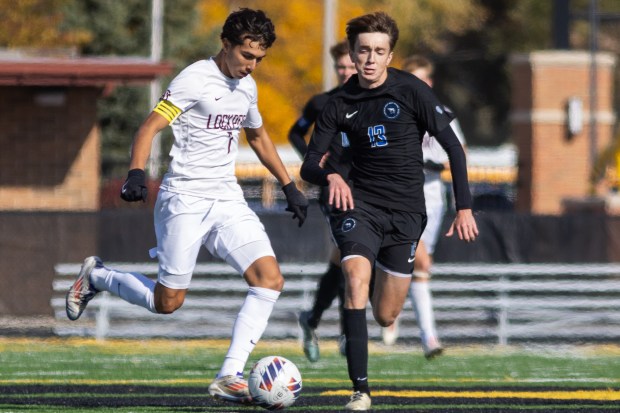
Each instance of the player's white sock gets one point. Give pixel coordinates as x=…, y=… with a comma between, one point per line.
x=248, y=329
x=132, y=287
x=423, y=309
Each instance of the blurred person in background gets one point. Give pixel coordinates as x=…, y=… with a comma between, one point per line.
x=331, y=283
x=381, y=215
x=200, y=201
x=435, y=161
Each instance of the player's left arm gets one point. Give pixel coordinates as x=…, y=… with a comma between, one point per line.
x=464, y=224
x=263, y=146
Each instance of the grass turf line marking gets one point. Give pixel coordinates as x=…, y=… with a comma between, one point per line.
x=310, y=380
x=600, y=395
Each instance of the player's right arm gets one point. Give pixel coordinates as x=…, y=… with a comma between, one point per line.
x=134, y=189
x=326, y=129
x=297, y=134
x=143, y=140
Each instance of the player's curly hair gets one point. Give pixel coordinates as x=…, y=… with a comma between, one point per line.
x=249, y=24
x=378, y=22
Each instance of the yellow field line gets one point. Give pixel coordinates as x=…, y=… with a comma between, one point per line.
x=603, y=395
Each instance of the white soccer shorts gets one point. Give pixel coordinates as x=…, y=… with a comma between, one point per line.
x=435, y=210
x=229, y=230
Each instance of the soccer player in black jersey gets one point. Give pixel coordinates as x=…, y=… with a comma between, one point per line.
x=385, y=113
x=331, y=284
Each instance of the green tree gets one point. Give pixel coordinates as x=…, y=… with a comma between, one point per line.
x=124, y=29
x=36, y=24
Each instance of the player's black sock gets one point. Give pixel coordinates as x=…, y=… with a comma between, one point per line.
x=356, y=331
x=327, y=291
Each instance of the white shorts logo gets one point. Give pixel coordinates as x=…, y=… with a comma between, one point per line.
x=411, y=258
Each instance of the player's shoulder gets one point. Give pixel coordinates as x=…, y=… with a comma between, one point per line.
x=199, y=68
x=194, y=76
x=319, y=100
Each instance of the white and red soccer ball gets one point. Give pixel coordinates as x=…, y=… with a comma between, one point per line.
x=274, y=383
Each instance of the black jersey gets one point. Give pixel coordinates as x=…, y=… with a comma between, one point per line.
x=339, y=159
x=385, y=127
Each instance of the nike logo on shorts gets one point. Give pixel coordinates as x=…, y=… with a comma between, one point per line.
x=350, y=115
x=410, y=259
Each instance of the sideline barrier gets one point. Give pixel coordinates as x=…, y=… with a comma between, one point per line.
x=502, y=303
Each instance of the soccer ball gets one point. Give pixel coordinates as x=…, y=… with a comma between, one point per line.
x=274, y=383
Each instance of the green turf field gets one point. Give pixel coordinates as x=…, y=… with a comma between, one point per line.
x=83, y=375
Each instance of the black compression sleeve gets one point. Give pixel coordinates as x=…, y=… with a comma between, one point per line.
x=296, y=136
x=458, y=167
x=311, y=171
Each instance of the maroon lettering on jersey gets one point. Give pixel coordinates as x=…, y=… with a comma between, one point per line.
x=225, y=121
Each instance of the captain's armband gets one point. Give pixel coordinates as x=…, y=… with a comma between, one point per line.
x=168, y=110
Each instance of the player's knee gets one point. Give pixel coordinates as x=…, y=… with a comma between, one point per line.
x=385, y=320
x=275, y=282
x=265, y=273
x=167, y=305
x=168, y=300
x=272, y=280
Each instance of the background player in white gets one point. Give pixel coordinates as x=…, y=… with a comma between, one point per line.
x=435, y=161
x=200, y=201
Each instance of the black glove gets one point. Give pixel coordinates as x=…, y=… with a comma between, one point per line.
x=134, y=188
x=297, y=202
x=434, y=166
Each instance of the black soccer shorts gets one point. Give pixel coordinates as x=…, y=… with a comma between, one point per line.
x=387, y=236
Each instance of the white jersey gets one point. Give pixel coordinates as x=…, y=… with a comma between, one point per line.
x=207, y=113
x=432, y=151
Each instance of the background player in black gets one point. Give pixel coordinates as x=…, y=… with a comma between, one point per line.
x=384, y=113
x=331, y=284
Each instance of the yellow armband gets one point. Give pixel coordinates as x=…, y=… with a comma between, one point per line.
x=167, y=110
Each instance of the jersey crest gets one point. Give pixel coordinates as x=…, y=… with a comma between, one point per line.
x=391, y=110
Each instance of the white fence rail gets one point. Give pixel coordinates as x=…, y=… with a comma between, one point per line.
x=473, y=302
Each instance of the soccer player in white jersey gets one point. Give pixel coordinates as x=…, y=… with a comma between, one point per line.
x=200, y=201
x=435, y=161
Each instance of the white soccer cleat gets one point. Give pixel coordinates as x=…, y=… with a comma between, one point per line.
x=432, y=348
x=359, y=402
x=231, y=388
x=81, y=292
x=390, y=333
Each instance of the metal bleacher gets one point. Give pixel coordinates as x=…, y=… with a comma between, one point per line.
x=501, y=303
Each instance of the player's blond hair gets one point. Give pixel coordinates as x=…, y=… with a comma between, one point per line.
x=339, y=49
x=415, y=62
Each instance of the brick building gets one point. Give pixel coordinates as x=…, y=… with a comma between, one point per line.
x=50, y=141
x=554, y=165
x=50, y=167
